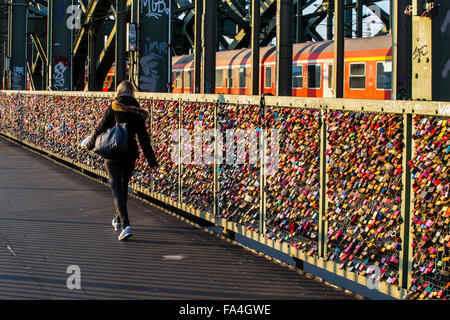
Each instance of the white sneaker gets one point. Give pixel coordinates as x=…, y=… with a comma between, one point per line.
x=117, y=226
x=125, y=234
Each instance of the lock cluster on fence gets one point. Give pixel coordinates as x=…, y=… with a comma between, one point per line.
x=357, y=190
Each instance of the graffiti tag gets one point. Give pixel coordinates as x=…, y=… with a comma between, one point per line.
x=446, y=22
x=61, y=65
x=17, y=77
x=154, y=8
x=153, y=59
x=420, y=51
x=446, y=70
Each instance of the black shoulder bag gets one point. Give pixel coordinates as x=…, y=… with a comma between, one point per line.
x=113, y=143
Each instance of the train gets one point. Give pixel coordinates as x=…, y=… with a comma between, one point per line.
x=108, y=83
x=368, y=70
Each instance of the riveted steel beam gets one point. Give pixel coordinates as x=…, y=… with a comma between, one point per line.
x=401, y=51
x=153, y=35
x=338, y=65
x=17, y=30
x=59, y=46
x=198, y=45
x=120, y=59
x=430, y=51
x=209, y=36
x=284, y=48
x=256, y=21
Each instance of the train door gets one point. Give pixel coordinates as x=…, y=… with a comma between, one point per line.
x=328, y=80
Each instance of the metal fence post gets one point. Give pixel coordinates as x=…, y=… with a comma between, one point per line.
x=180, y=190
x=21, y=122
x=323, y=204
x=152, y=176
x=405, y=252
x=262, y=154
x=78, y=135
x=216, y=164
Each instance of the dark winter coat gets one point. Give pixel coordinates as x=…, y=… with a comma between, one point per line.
x=128, y=111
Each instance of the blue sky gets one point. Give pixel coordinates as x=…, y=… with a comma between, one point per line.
x=371, y=25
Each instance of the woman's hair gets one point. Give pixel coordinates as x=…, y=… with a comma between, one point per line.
x=124, y=87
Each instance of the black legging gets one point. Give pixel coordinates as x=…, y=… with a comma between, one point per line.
x=119, y=174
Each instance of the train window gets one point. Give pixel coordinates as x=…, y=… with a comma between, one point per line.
x=219, y=75
x=268, y=77
x=357, y=76
x=297, y=77
x=242, y=78
x=230, y=78
x=384, y=75
x=314, y=72
x=178, y=79
x=187, y=79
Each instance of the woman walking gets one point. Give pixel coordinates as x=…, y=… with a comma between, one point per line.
x=120, y=170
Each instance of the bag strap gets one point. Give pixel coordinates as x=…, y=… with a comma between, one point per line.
x=116, y=116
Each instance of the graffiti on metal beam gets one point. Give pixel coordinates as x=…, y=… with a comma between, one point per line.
x=17, y=78
x=153, y=59
x=446, y=70
x=420, y=51
x=446, y=22
x=61, y=65
x=154, y=8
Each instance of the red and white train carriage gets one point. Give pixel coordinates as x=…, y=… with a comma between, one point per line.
x=368, y=69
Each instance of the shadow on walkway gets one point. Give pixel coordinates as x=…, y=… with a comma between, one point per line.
x=52, y=218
